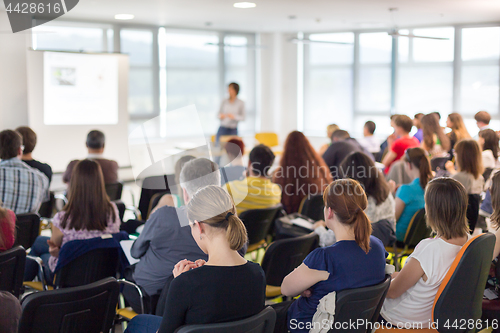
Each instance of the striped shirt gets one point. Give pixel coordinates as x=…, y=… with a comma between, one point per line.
x=22, y=188
x=254, y=193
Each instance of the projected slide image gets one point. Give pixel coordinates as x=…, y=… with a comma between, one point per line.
x=80, y=89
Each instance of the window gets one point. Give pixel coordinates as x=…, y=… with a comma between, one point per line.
x=328, y=82
x=83, y=38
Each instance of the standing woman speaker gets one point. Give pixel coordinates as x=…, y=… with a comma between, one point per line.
x=232, y=111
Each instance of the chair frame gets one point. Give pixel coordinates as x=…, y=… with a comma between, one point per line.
x=19, y=253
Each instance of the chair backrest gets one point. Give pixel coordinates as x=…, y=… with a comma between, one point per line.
x=360, y=304
x=417, y=229
x=267, y=138
x=312, y=207
x=47, y=208
x=12, y=270
x=155, y=199
x=121, y=208
x=473, y=210
x=439, y=162
x=284, y=255
x=487, y=173
x=151, y=186
x=460, y=296
x=263, y=322
x=86, y=309
x=27, y=229
x=114, y=190
x=90, y=267
x=259, y=221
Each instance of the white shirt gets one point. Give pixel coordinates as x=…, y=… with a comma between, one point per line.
x=489, y=160
x=236, y=108
x=415, y=305
x=370, y=143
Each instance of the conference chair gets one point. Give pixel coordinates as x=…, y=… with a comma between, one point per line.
x=12, y=270
x=263, y=322
x=47, y=208
x=312, y=206
x=114, y=190
x=473, y=210
x=417, y=230
x=459, y=298
x=360, y=304
x=151, y=186
x=27, y=229
x=267, y=138
x=85, y=309
x=438, y=163
x=155, y=199
x=258, y=223
x=282, y=257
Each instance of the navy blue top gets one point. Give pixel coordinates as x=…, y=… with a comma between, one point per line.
x=349, y=267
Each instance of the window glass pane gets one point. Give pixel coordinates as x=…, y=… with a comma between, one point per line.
x=328, y=95
x=59, y=38
x=235, y=50
x=326, y=54
x=479, y=89
x=383, y=124
x=110, y=34
x=433, y=50
x=403, y=46
x=418, y=93
x=374, y=89
x=138, y=44
x=481, y=43
x=375, y=48
x=186, y=50
x=140, y=100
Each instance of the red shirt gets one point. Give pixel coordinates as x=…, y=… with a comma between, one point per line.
x=399, y=147
x=7, y=228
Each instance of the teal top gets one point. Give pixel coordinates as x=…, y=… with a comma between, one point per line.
x=413, y=196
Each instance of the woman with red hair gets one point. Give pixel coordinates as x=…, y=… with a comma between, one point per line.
x=302, y=172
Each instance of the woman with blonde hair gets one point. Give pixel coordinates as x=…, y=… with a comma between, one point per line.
x=226, y=287
x=435, y=142
x=458, y=130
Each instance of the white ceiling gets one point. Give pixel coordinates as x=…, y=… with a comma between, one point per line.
x=273, y=15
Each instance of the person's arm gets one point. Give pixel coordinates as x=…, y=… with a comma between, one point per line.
x=141, y=244
x=407, y=278
x=301, y=279
x=55, y=241
x=496, y=250
x=220, y=114
x=179, y=300
x=240, y=114
x=450, y=167
x=400, y=207
x=389, y=158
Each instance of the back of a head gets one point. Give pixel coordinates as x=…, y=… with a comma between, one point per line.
x=490, y=138
x=404, y=122
x=340, y=135
x=347, y=199
x=469, y=157
x=10, y=142
x=446, y=206
x=360, y=167
x=297, y=150
x=483, y=116
x=180, y=164
x=417, y=157
x=10, y=312
x=418, y=116
x=29, y=138
x=199, y=173
x=331, y=128
x=431, y=127
x=235, y=147
x=213, y=206
x=261, y=160
x=95, y=139
x=370, y=126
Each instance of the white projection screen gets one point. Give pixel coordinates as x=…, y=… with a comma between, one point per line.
x=70, y=94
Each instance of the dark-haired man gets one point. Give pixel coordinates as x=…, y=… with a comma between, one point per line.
x=22, y=188
x=95, y=145
x=256, y=191
x=369, y=141
x=402, y=129
x=29, y=141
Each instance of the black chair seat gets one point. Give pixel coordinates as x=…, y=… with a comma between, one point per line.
x=12, y=270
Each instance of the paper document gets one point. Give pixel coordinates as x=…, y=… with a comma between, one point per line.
x=126, y=246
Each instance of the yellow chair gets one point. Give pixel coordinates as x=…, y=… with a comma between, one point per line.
x=267, y=138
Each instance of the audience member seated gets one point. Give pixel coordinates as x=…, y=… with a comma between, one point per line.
x=384, y=147
x=166, y=238
x=419, y=135
x=410, y=197
x=397, y=148
x=495, y=217
x=302, y=172
x=7, y=229
x=175, y=199
x=88, y=214
x=95, y=145
x=342, y=145
x=226, y=287
x=369, y=141
x=29, y=141
x=235, y=149
x=488, y=142
x=435, y=142
x=483, y=119
x=458, y=129
x=329, y=131
x=22, y=188
x=10, y=312
x=381, y=204
x=469, y=166
x=356, y=260
x=256, y=191
x=412, y=292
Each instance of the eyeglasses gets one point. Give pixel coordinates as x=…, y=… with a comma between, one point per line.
x=407, y=154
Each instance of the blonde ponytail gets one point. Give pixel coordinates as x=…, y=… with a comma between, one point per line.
x=362, y=230
x=236, y=233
